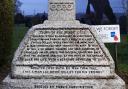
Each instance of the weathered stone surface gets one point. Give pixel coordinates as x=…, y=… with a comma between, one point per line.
x=61, y=10
x=62, y=72
x=61, y=47
x=62, y=52
x=115, y=83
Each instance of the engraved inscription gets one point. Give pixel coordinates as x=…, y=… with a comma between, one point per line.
x=60, y=71
x=61, y=6
x=62, y=47
x=45, y=86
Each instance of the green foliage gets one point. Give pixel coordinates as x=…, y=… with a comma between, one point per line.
x=122, y=48
x=19, y=18
x=6, y=28
x=18, y=34
x=123, y=68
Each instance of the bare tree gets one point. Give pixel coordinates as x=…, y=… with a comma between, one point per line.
x=17, y=5
x=125, y=6
x=102, y=7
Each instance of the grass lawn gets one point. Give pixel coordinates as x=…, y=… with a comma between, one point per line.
x=20, y=31
x=18, y=34
x=122, y=53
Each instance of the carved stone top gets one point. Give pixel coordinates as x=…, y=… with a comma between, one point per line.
x=61, y=10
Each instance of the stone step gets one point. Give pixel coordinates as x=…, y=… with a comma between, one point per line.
x=115, y=83
x=63, y=71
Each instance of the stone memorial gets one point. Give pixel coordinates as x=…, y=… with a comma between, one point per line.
x=61, y=53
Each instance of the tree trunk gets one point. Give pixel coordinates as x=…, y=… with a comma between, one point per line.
x=6, y=28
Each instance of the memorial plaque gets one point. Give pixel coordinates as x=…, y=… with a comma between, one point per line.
x=61, y=47
x=63, y=71
x=62, y=54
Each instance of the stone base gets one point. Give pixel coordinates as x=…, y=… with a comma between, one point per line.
x=116, y=83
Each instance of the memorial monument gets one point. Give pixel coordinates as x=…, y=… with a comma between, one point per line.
x=62, y=54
